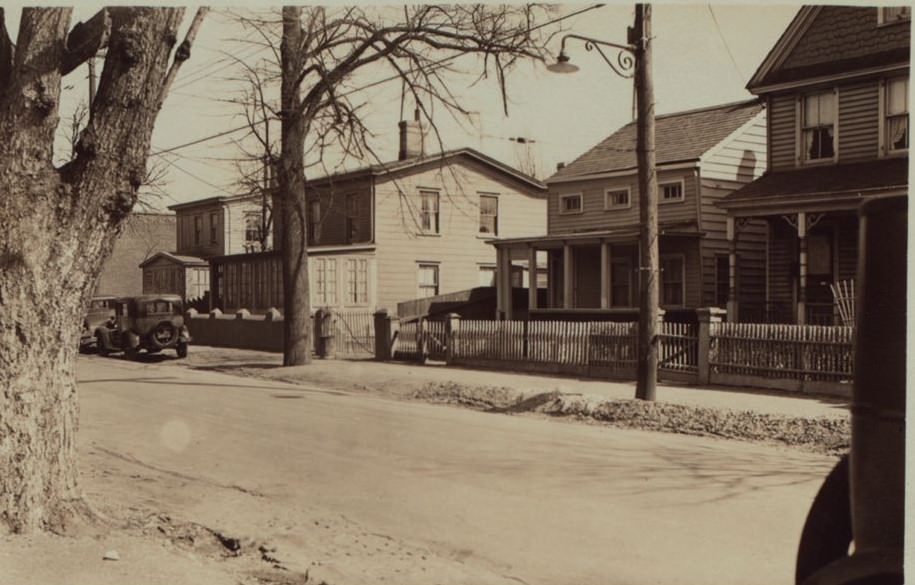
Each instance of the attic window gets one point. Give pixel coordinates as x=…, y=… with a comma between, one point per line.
x=571, y=203
x=893, y=14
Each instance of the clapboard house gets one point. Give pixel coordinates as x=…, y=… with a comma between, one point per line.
x=593, y=218
x=836, y=88
x=416, y=227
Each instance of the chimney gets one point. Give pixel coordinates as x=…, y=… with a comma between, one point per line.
x=411, y=137
x=560, y=166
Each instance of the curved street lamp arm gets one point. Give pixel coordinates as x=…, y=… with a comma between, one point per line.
x=625, y=58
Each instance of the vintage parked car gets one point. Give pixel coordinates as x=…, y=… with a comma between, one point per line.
x=150, y=322
x=101, y=309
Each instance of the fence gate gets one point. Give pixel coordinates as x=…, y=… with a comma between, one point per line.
x=679, y=348
x=354, y=333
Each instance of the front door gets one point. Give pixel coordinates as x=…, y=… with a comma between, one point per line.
x=820, y=274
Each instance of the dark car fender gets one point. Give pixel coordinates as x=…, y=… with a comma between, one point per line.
x=133, y=340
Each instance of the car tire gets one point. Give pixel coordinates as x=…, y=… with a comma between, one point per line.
x=100, y=345
x=827, y=532
x=181, y=350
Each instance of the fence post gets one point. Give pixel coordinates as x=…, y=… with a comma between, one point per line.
x=382, y=335
x=324, y=333
x=421, y=339
x=706, y=316
x=452, y=326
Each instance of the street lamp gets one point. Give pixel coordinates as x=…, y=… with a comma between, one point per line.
x=634, y=59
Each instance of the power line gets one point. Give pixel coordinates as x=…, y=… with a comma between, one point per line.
x=726, y=47
x=435, y=65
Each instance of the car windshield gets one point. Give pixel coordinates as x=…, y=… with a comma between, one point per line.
x=158, y=308
x=100, y=304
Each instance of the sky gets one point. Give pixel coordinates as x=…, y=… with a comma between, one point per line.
x=703, y=55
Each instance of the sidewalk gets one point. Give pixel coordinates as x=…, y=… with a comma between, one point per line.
x=402, y=380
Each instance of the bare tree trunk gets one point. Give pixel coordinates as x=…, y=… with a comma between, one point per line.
x=59, y=226
x=296, y=301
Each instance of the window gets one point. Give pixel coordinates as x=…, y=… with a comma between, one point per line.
x=818, y=116
x=253, y=220
x=571, y=203
x=214, y=228
x=489, y=215
x=353, y=223
x=672, y=281
x=325, y=281
x=616, y=198
x=487, y=276
x=620, y=282
x=893, y=14
x=896, y=115
x=671, y=191
x=357, y=281
x=427, y=279
x=198, y=229
x=314, y=221
x=722, y=280
x=428, y=212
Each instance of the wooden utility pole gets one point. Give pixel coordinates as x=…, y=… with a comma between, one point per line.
x=649, y=275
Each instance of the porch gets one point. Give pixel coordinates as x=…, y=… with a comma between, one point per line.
x=596, y=274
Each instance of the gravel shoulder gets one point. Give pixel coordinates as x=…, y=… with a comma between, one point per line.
x=813, y=423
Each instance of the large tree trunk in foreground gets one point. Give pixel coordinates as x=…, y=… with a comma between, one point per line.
x=58, y=228
x=297, y=328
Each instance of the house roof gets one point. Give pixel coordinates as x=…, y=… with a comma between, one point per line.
x=211, y=200
x=822, y=41
x=827, y=180
x=681, y=137
x=175, y=258
x=401, y=165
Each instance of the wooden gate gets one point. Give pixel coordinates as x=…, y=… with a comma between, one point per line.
x=354, y=333
x=679, y=349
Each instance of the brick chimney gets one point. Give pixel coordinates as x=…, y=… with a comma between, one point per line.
x=411, y=137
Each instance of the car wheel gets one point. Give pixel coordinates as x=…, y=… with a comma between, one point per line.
x=100, y=345
x=181, y=350
x=827, y=532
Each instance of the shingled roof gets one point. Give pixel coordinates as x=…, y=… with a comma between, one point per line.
x=680, y=137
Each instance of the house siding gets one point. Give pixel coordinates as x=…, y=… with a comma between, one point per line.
x=230, y=228
x=859, y=110
x=783, y=131
x=595, y=217
x=458, y=249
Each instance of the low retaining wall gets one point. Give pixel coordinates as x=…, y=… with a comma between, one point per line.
x=241, y=330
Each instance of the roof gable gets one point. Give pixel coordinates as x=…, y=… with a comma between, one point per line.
x=168, y=257
x=680, y=137
x=424, y=162
x=827, y=40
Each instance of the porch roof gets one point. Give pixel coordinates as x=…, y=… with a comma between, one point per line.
x=681, y=229
x=841, y=186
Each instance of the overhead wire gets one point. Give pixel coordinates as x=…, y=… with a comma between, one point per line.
x=435, y=65
x=726, y=46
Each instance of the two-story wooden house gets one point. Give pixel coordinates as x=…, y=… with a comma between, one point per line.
x=836, y=86
x=386, y=233
x=206, y=228
x=593, y=217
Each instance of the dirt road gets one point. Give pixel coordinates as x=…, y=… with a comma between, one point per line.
x=359, y=489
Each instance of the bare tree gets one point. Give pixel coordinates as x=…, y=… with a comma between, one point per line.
x=322, y=50
x=59, y=227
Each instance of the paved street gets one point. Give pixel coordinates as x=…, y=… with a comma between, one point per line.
x=337, y=481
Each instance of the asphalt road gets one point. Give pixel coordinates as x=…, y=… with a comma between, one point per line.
x=334, y=480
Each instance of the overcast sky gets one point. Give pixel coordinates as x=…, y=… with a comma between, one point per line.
x=703, y=55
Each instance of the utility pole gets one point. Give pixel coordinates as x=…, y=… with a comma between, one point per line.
x=649, y=274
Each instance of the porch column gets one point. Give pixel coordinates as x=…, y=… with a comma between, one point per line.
x=802, y=268
x=604, y=275
x=732, y=306
x=566, y=276
x=507, y=300
x=531, y=277
x=500, y=284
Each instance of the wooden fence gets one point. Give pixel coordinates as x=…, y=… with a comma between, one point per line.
x=354, y=332
x=792, y=357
